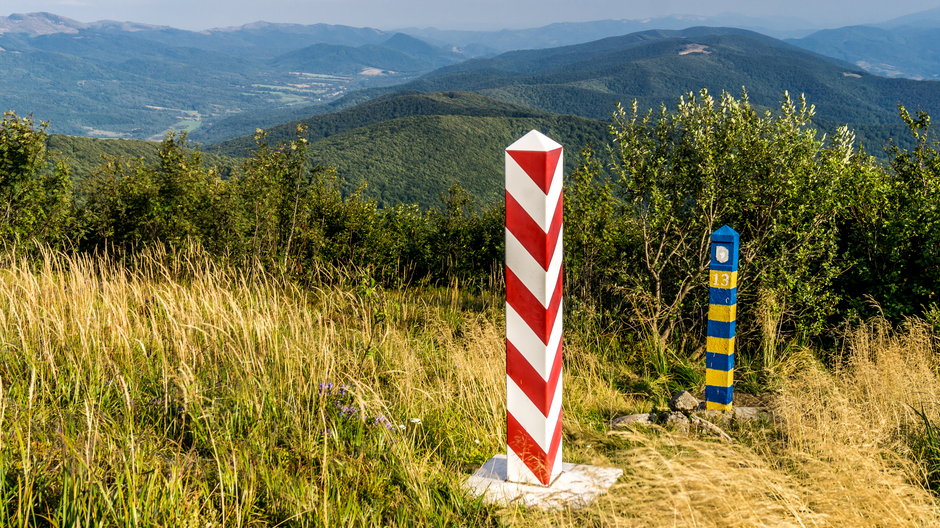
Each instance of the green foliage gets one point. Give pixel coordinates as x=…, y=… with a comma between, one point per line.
x=35, y=199
x=279, y=212
x=675, y=177
x=894, y=246
x=412, y=147
x=173, y=200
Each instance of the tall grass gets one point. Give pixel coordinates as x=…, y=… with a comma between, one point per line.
x=173, y=392
x=170, y=391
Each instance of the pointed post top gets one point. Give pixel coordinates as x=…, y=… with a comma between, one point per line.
x=726, y=234
x=534, y=141
x=724, y=250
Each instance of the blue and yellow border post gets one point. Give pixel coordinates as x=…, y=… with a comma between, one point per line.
x=722, y=313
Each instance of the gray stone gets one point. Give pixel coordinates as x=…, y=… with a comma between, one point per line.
x=632, y=419
x=683, y=401
x=677, y=421
x=744, y=414
x=720, y=417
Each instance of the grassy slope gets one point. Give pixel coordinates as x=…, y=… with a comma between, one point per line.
x=181, y=394
x=416, y=159
x=393, y=106
x=84, y=155
x=445, y=133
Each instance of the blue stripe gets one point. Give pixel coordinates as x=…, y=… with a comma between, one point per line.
x=722, y=395
x=725, y=296
x=720, y=329
x=723, y=362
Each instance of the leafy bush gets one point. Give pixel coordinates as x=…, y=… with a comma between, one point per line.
x=35, y=198
x=675, y=177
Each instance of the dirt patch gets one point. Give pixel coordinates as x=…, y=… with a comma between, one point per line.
x=694, y=48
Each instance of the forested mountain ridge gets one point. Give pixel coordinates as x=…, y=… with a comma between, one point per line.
x=393, y=106
x=654, y=67
x=411, y=147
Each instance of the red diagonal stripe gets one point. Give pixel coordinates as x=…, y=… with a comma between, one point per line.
x=539, y=165
x=538, y=243
x=522, y=443
x=540, y=319
x=541, y=392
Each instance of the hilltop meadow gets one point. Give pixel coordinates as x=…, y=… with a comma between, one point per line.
x=195, y=341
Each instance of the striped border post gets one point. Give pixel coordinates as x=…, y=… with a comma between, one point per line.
x=722, y=313
x=533, y=309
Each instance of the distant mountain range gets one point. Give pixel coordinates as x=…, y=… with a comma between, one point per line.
x=568, y=33
x=409, y=146
x=110, y=79
x=656, y=67
x=124, y=79
x=907, y=46
x=408, y=113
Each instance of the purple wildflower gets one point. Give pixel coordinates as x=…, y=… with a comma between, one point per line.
x=382, y=420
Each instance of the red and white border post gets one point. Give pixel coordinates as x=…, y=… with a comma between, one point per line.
x=532, y=472
x=533, y=308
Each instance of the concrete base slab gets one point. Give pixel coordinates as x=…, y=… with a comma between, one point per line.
x=576, y=487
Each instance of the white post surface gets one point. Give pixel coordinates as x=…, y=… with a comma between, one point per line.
x=533, y=309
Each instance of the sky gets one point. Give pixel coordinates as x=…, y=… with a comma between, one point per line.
x=445, y=14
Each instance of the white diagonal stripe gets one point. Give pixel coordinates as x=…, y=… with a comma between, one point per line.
x=557, y=463
x=528, y=344
x=539, y=282
x=530, y=417
x=517, y=471
x=553, y=196
x=526, y=192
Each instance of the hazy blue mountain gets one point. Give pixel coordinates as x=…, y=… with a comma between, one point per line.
x=33, y=24
x=911, y=51
x=567, y=33
x=399, y=54
x=264, y=40
x=923, y=19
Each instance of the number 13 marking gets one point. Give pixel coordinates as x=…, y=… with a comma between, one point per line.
x=721, y=279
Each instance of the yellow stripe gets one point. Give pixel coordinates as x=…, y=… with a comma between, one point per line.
x=723, y=279
x=712, y=406
x=719, y=378
x=723, y=312
x=719, y=345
